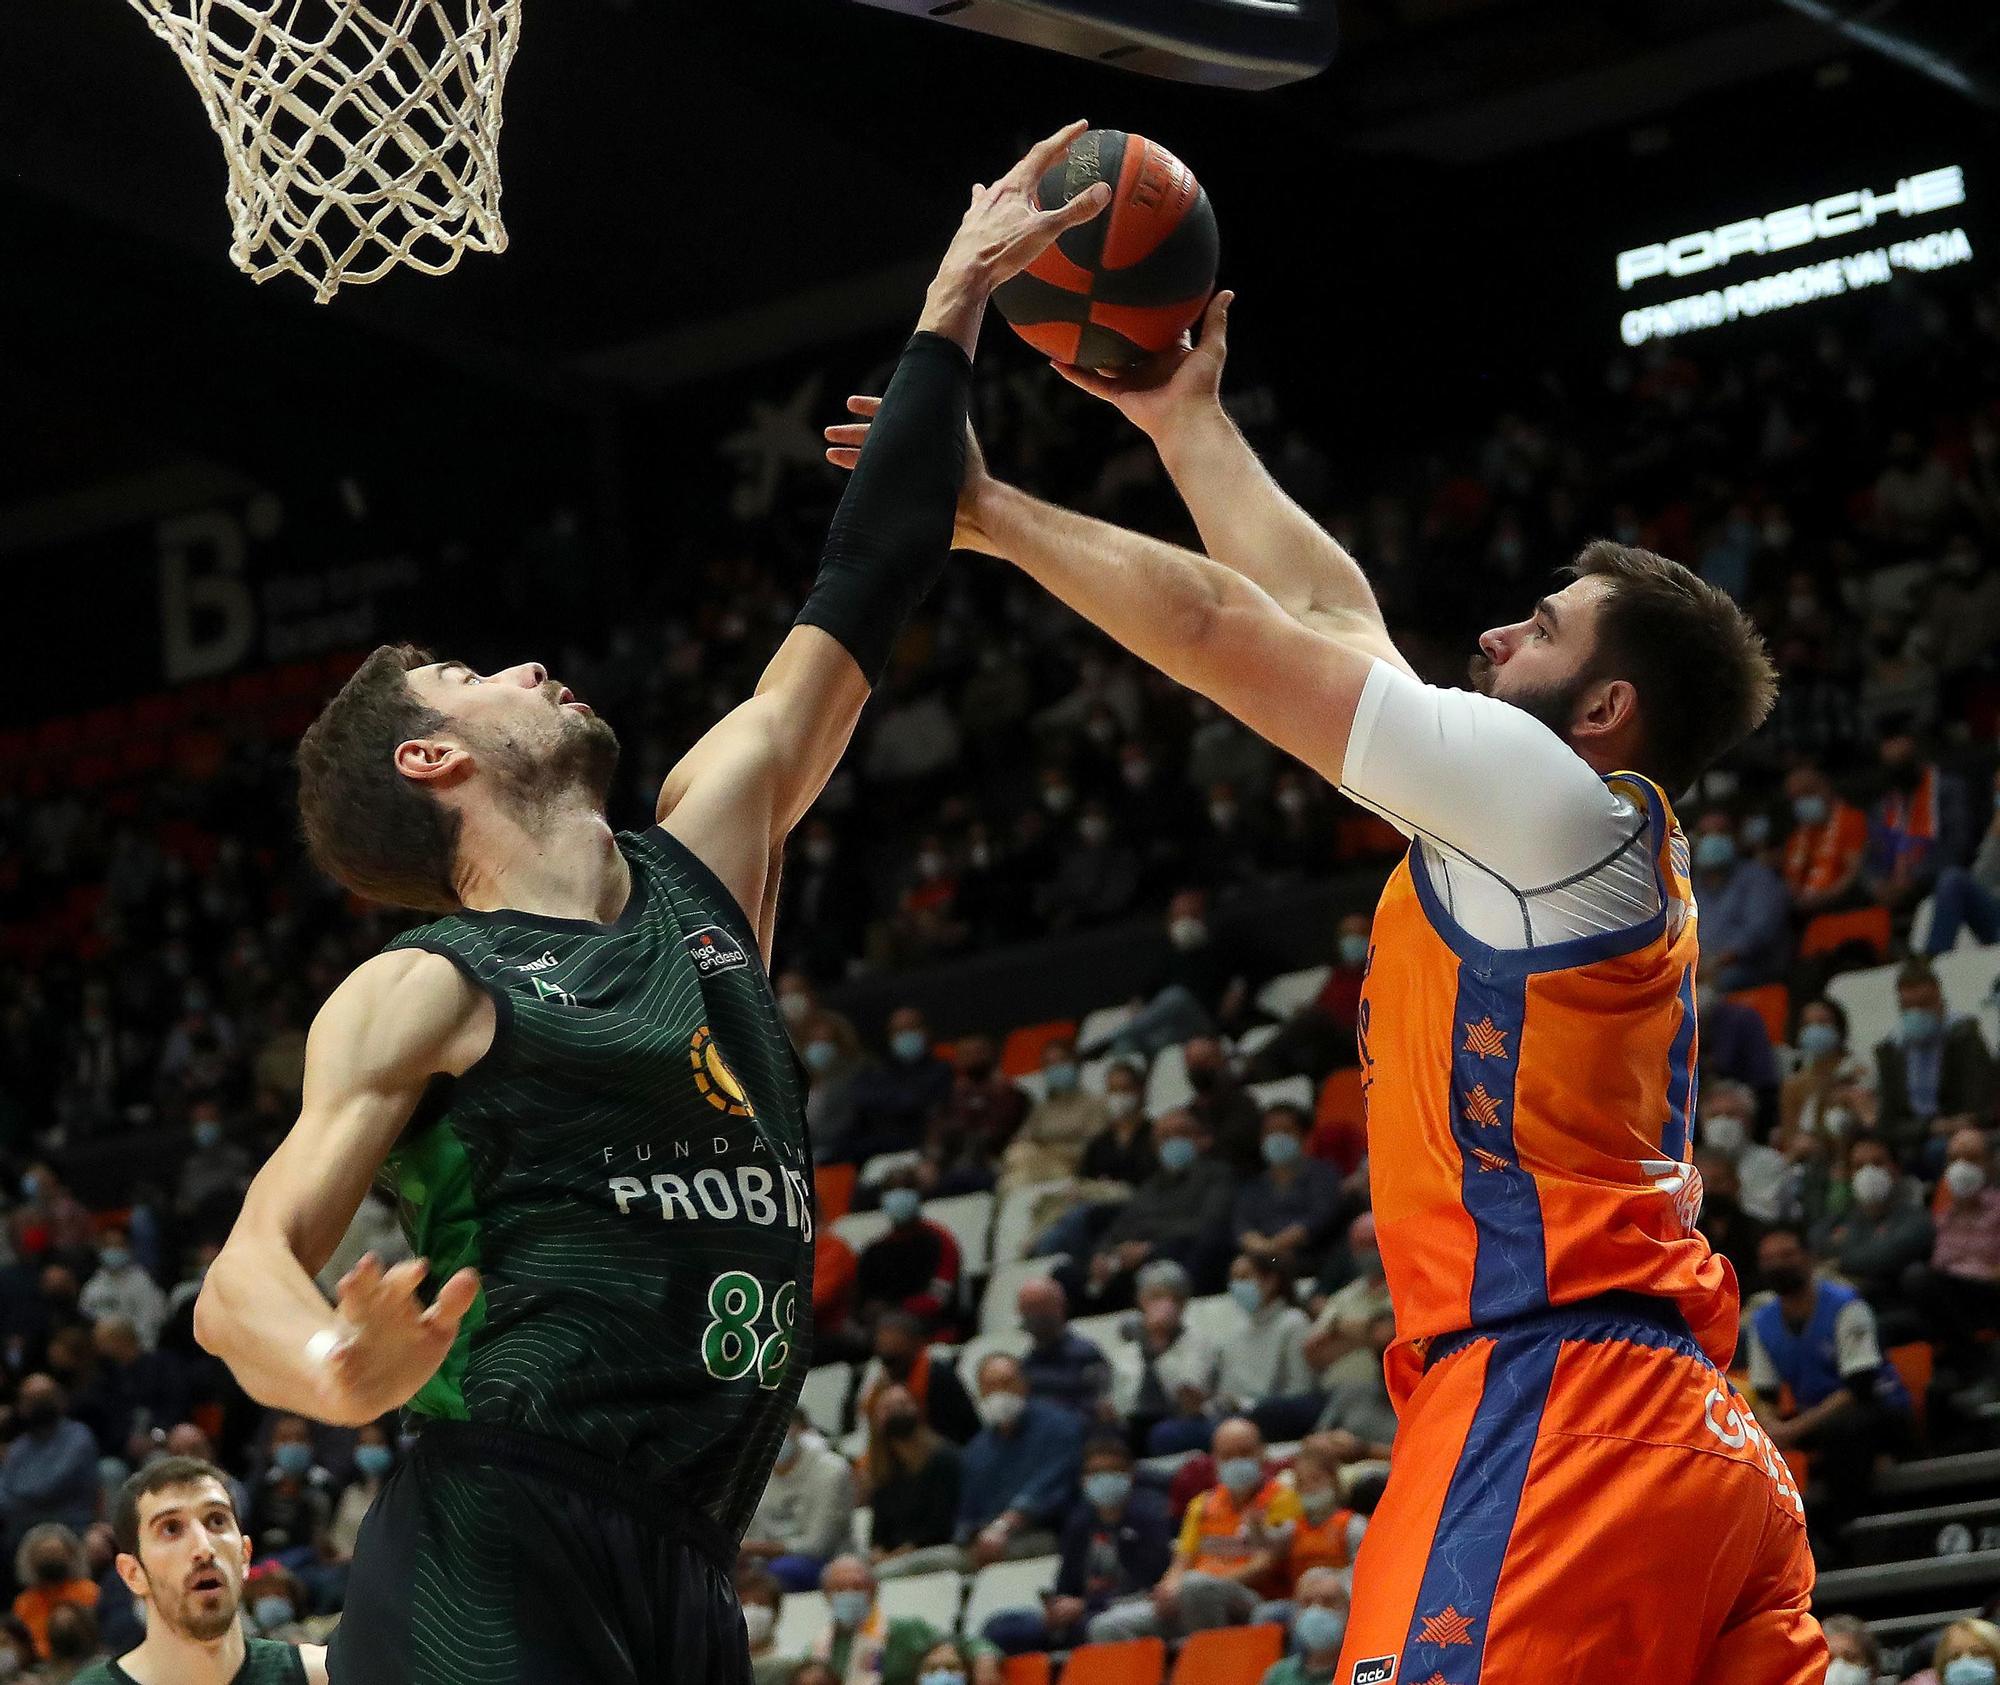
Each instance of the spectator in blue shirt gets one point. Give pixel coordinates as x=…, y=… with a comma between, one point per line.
x=50, y=1472
x=895, y=1103
x=1117, y=1542
x=1018, y=1475
x=1062, y=1367
x=1745, y=908
x=1292, y=1208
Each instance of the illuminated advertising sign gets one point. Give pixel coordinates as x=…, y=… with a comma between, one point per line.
x=1733, y=247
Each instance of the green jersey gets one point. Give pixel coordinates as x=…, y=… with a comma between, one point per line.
x=264, y=1663
x=627, y=1169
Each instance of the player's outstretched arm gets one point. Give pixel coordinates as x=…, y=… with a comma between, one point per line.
x=396, y=1022
x=1247, y=521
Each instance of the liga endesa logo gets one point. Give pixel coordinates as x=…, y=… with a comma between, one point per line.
x=1796, y=225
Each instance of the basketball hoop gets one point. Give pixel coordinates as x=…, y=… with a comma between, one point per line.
x=359, y=134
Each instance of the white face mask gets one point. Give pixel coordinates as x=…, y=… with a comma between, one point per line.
x=1725, y=1133
x=1121, y=1102
x=1187, y=933
x=1873, y=1184
x=1843, y=1672
x=1001, y=1409
x=1964, y=1178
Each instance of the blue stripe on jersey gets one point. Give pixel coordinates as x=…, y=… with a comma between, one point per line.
x=1469, y=1548
x=1677, y=1137
x=1510, y=1264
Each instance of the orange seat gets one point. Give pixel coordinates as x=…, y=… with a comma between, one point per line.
x=1229, y=1655
x=833, y=1188
x=1772, y=1003
x=1340, y=1120
x=1914, y=1363
x=1829, y=931
x=1137, y=1661
x=1025, y=1670
x=1022, y=1051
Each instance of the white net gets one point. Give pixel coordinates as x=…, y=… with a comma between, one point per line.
x=358, y=135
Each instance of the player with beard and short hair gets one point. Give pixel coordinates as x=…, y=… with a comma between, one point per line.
x=183, y=1554
x=1574, y=1474
x=578, y=1086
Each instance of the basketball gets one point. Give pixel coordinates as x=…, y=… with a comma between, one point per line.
x=1128, y=283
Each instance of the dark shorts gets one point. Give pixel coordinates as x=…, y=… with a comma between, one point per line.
x=498, y=1558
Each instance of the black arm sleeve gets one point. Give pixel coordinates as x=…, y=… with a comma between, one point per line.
x=892, y=532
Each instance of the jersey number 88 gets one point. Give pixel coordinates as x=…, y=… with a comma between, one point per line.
x=731, y=1347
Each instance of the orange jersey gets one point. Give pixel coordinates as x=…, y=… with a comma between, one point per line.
x=1529, y=1113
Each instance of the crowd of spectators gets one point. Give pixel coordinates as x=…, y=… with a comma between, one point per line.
x=163, y=945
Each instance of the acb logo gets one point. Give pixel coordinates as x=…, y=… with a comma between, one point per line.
x=714, y=1078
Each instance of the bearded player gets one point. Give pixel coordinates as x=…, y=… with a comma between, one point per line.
x=577, y=1083
x=1576, y=1491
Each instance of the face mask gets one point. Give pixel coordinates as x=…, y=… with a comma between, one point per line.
x=1713, y=851
x=758, y=1620
x=1844, y=1672
x=1248, y=1295
x=1060, y=1078
x=1135, y=773
x=1836, y=1121
x=1353, y=950
x=271, y=1612
x=1968, y=1670
x=292, y=1458
x=114, y=1258
x=1187, y=933
x=930, y=866
x=1222, y=815
x=1809, y=810
x=1317, y=1506
x=1094, y=830
x=941, y=1676
x=980, y=855
x=1241, y=1475
x=1280, y=1149
x=1121, y=1102
x=1920, y=1023
x=1873, y=1185
x=901, y=1426
x=1319, y=1630
x=1101, y=730
x=10, y=1662
x=1001, y=1409
x=909, y=1045
x=1177, y=1152
x=1816, y=1041
x=1057, y=797
x=1725, y=1134
x=31, y=1186
x=850, y=1608
x=1108, y=1488
x=1291, y=801
x=373, y=1461
x=820, y=1055
x=819, y=851
x=899, y=1205
x=796, y=1007
x=1707, y=997
x=208, y=1135
x=1786, y=1278
x=1964, y=1178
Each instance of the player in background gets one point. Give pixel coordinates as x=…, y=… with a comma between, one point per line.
x=1575, y=1484
x=577, y=1081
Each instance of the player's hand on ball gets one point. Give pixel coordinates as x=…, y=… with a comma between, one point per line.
x=1004, y=230
x=1158, y=394
x=843, y=450
x=390, y=1343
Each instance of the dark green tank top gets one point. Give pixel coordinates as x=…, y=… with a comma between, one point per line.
x=627, y=1169
x=264, y=1663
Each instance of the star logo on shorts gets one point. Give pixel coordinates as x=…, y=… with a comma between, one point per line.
x=1486, y=1039
x=1490, y=1161
x=1481, y=1108
x=1449, y=1627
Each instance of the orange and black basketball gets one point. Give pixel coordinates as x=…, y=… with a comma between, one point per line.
x=1124, y=285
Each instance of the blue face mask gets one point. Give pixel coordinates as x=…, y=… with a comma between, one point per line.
x=1319, y=1630
x=31, y=1186
x=1280, y=1149
x=941, y=1676
x=373, y=1461
x=1177, y=1152
x=1920, y=1023
x=899, y=1205
x=1353, y=950
x=112, y=1473
x=1108, y=1488
x=1818, y=1040
x=208, y=1135
x=1248, y=1295
x=850, y=1608
x=1713, y=851
x=909, y=1045
x=1242, y=1475
x=271, y=1612
x=820, y=1055
x=1968, y=1670
x=1059, y=1078
x=114, y=1258
x=292, y=1458
x=1756, y=830
x=1809, y=810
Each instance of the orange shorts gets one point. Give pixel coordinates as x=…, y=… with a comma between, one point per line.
x=1581, y=1496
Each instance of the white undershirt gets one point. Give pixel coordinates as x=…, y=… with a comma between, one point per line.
x=1524, y=844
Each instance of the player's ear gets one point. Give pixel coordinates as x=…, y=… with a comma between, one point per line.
x=133, y=1573
x=1613, y=708
x=433, y=760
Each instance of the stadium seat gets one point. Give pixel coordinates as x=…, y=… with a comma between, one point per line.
x=1022, y=1050
x=996, y=1301
x=1217, y=1316
x=1968, y=977
x=1914, y=1363
x=803, y=1616
x=1094, y=1071
x=1032, y=1084
x=926, y=1597
x=863, y=1527
x=833, y=1190
x=1138, y=1661
x=969, y=1217
x=1256, y=1039
x=824, y=1396
x=1105, y=1332
x=1025, y=1670
x=1773, y=1004
x=881, y=1166
x=1868, y=997
x=1009, y=1585
x=1102, y=1024
x=1285, y=994
x=859, y=1228
x=1829, y=931
x=1230, y=1655
x=1167, y=1085
x=1286, y=1091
